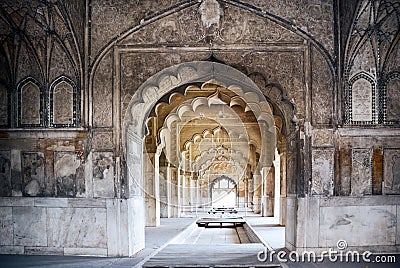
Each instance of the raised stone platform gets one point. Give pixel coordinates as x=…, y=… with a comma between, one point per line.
x=237, y=221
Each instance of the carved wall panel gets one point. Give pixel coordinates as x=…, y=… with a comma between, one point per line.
x=103, y=93
x=60, y=63
x=118, y=15
x=362, y=100
x=30, y=103
x=391, y=159
x=345, y=158
x=322, y=90
x=283, y=68
x=3, y=105
x=44, y=24
x=63, y=103
x=183, y=26
x=314, y=17
x=364, y=61
x=65, y=173
x=136, y=68
x=251, y=29
x=361, y=175
x=322, y=172
x=5, y=173
x=322, y=137
x=373, y=49
x=103, y=140
x=103, y=174
x=32, y=173
x=77, y=11
x=393, y=61
x=186, y=26
x=27, y=65
x=393, y=99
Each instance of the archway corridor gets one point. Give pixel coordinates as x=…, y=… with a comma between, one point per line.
x=211, y=153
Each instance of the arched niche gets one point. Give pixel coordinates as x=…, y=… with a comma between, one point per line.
x=30, y=103
x=63, y=102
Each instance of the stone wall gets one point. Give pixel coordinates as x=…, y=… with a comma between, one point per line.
x=67, y=226
x=365, y=223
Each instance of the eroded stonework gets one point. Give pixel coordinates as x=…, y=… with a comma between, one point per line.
x=32, y=173
x=65, y=172
x=392, y=171
x=322, y=172
x=361, y=183
x=103, y=174
x=102, y=94
x=322, y=90
x=5, y=173
x=393, y=100
x=3, y=105
x=362, y=93
x=30, y=104
x=63, y=104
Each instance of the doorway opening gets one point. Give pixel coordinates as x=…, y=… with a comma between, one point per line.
x=224, y=193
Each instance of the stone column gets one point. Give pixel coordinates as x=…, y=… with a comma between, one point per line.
x=277, y=186
x=193, y=192
x=269, y=192
x=283, y=188
x=151, y=186
x=172, y=192
x=257, y=181
x=163, y=192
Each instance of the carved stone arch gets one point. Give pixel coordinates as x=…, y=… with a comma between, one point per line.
x=30, y=103
x=223, y=177
x=191, y=72
x=64, y=105
x=158, y=85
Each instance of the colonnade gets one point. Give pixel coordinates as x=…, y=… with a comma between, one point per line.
x=172, y=192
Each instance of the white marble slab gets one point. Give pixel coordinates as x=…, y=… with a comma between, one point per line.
x=29, y=226
x=77, y=227
x=6, y=227
x=117, y=227
x=358, y=226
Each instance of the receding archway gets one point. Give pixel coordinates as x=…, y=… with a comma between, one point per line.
x=145, y=100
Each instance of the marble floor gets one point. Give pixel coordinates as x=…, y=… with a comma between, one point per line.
x=169, y=230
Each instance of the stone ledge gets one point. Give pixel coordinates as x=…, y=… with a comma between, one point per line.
x=368, y=131
x=17, y=201
x=11, y=249
x=44, y=251
x=53, y=202
x=101, y=252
